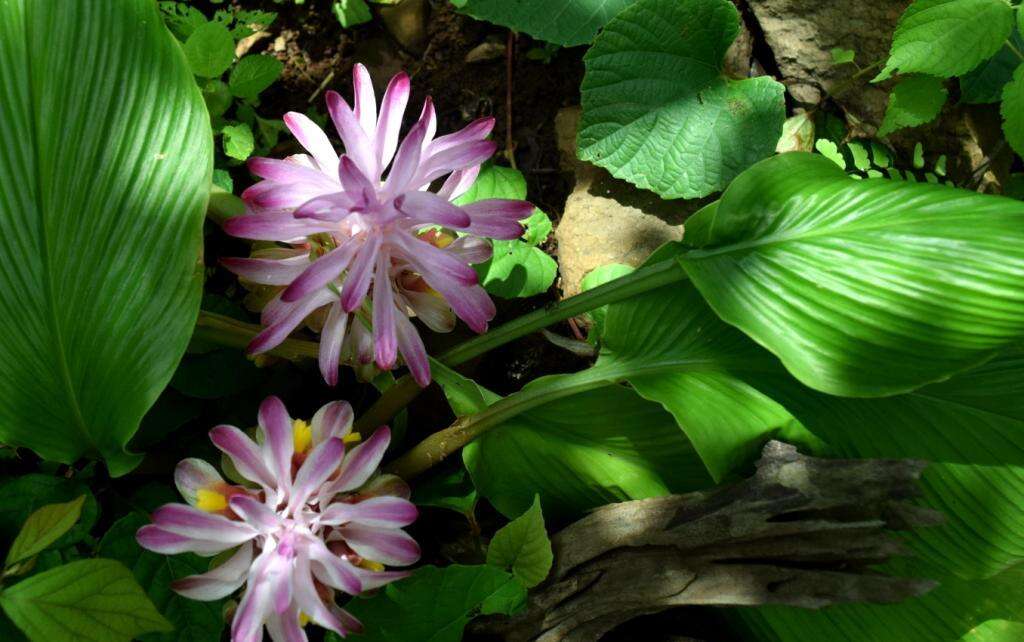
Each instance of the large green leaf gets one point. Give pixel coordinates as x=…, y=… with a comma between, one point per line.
x=103, y=178
x=862, y=288
x=523, y=548
x=1013, y=111
x=950, y=611
x=915, y=101
x=435, y=604
x=985, y=83
x=948, y=37
x=657, y=111
x=86, y=601
x=563, y=22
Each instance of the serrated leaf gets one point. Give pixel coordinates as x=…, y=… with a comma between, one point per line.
x=861, y=288
x=563, y=22
x=86, y=601
x=1013, y=111
x=435, y=604
x=351, y=12
x=238, y=141
x=78, y=245
x=658, y=112
x=985, y=83
x=253, y=74
x=538, y=228
x=947, y=38
x=914, y=101
x=830, y=150
x=522, y=547
x=193, y=621
x=210, y=50
x=43, y=528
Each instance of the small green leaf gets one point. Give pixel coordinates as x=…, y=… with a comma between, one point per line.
x=1013, y=111
x=435, y=604
x=351, y=12
x=861, y=160
x=238, y=141
x=599, y=276
x=538, y=227
x=43, y=528
x=830, y=150
x=797, y=134
x=22, y=496
x=253, y=74
x=842, y=56
x=217, y=97
x=658, y=112
x=522, y=546
x=948, y=37
x=210, y=50
x=915, y=101
x=452, y=490
x=92, y=600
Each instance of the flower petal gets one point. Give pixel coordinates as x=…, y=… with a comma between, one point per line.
x=321, y=463
x=459, y=182
x=244, y=454
x=331, y=338
x=255, y=513
x=429, y=208
x=278, y=443
x=283, y=320
x=255, y=607
x=333, y=570
x=385, y=512
x=389, y=124
x=432, y=310
x=362, y=461
x=284, y=171
x=219, y=582
x=410, y=344
x=309, y=601
x=407, y=161
x=158, y=540
x=360, y=273
x=286, y=627
x=275, y=226
x=192, y=475
x=386, y=485
x=455, y=158
x=364, y=100
x=320, y=272
x=384, y=341
x=425, y=258
x=470, y=249
x=385, y=545
x=332, y=420
x=476, y=131
x=267, y=271
x=376, y=579
x=189, y=521
x=358, y=145
x=314, y=140
x=498, y=218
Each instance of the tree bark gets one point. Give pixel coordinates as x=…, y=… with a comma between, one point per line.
x=801, y=532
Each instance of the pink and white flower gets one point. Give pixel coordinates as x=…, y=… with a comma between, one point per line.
x=367, y=217
x=316, y=521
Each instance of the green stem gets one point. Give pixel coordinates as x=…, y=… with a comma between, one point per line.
x=638, y=282
x=1014, y=49
x=226, y=331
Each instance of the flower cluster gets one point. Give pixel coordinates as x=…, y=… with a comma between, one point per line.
x=365, y=238
x=316, y=521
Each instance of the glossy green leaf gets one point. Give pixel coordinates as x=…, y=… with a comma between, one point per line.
x=599, y=444
x=103, y=183
x=238, y=141
x=862, y=288
x=193, y=621
x=985, y=83
x=351, y=12
x=516, y=268
x=93, y=600
x=563, y=22
x=522, y=547
x=1013, y=111
x=435, y=604
x=253, y=74
x=914, y=101
x=658, y=112
x=948, y=612
x=43, y=528
x=599, y=276
x=948, y=37
x=210, y=50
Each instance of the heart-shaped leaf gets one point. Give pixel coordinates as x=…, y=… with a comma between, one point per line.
x=862, y=288
x=103, y=183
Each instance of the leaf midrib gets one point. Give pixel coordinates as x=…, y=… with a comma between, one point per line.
x=64, y=374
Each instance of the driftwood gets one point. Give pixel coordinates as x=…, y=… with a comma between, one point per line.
x=801, y=532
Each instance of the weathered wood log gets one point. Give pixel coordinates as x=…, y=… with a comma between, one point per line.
x=801, y=532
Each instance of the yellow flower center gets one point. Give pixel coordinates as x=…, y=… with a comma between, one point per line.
x=302, y=436
x=210, y=500
x=352, y=438
x=370, y=565
x=303, y=619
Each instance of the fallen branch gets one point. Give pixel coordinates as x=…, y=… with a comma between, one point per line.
x=801, y=532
